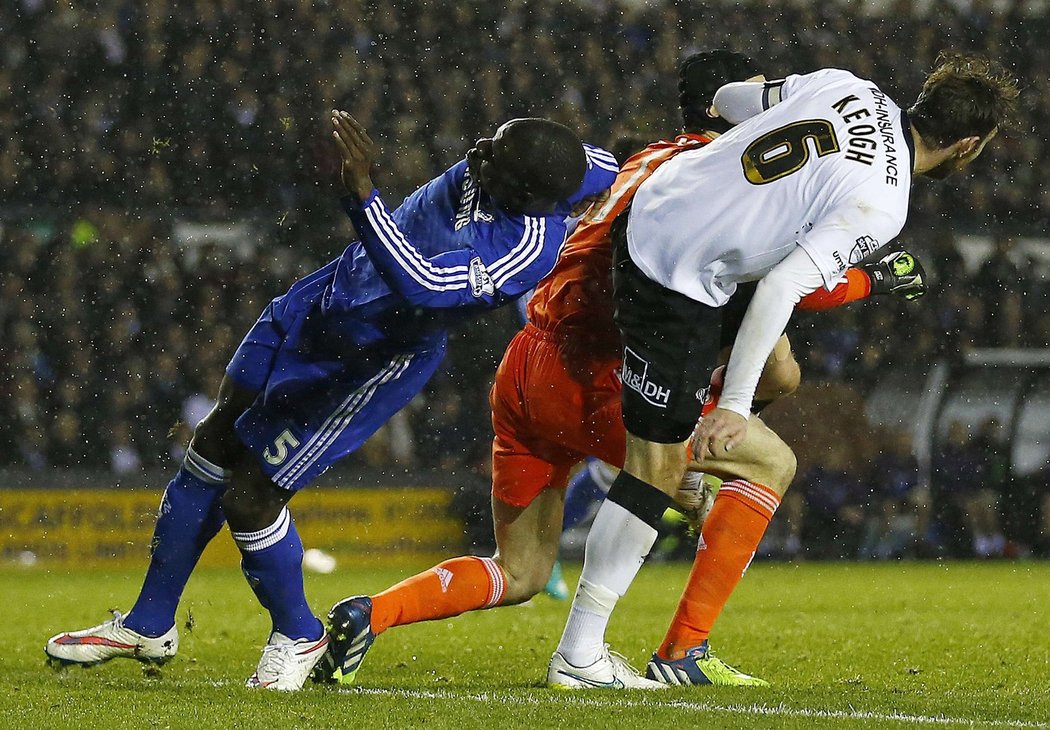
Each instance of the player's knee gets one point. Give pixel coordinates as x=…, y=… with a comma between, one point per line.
x=661, y=465
x=788, y=467
x=211, y=433
x=781, y=466
x=237, y=505
x=773, y=465
x=215, y=434
x=215, y=438
x=779, y=379
x=249, y=507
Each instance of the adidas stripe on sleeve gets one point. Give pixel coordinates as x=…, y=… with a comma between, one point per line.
x=602, y=169
x=461, y=277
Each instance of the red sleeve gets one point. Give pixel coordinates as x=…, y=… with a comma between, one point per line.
x=856, y=286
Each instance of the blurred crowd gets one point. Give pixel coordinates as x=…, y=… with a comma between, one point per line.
x=972, y=505
x=1003, y=301
x=118, y=337
x=221, y=104
x=123, y=119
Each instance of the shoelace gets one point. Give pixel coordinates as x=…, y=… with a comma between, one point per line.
x=621, y=661
x=275, y=658
x=710, y=654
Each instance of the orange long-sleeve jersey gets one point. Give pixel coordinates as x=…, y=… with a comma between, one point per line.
x=575, y=301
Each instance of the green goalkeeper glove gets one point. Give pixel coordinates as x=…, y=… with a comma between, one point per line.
x=897, y=273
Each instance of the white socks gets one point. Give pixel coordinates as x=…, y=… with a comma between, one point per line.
x=616, y=548
x=583, y=640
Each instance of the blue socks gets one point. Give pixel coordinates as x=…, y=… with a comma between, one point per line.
x=190, y=516
x=272, y=561
x=589, y=486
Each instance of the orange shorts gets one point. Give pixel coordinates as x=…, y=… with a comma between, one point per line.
x=546, y=420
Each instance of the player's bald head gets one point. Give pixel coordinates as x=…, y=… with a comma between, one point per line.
x=700, y=76
x=530, y=164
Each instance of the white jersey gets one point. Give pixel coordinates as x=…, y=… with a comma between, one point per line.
x=827, y=169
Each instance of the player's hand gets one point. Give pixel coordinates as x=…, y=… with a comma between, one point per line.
x=718, y=432
x=358, y=152
x=589, y=204
x=897, y=273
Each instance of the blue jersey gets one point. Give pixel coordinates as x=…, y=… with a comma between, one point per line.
x=447, y=249
x=349, y=345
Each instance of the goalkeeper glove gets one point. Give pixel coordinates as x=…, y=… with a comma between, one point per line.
x=694, y=499
x=896, y=273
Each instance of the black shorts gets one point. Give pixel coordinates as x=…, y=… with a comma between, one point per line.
x=671, y=345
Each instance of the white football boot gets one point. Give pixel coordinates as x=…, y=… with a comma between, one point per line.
x=611, y=671
x=286, y=663
x=111, y=640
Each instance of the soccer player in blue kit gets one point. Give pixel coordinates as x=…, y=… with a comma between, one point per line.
x=336, y=356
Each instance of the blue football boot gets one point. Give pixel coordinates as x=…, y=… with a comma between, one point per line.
x=350, y=637
x=699, y=666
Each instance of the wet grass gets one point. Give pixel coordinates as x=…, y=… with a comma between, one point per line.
x=945, y=644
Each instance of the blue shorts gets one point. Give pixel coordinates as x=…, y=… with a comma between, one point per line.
x=317, y=404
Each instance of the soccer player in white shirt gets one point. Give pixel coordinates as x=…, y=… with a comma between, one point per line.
x=815, y=176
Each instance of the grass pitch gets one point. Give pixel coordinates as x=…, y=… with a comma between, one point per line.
x=845, y=646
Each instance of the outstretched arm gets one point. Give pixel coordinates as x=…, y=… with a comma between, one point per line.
x=820, y=259
x=358, y=153
x=741, y=100
x=897, y=273
x=457, y=278
x=857, y=285
x=451, y=279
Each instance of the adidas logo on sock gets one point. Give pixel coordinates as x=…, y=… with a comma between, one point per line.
x=445, y=576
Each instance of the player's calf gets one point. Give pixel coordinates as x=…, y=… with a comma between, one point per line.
x=527, y=540
x=524, y=580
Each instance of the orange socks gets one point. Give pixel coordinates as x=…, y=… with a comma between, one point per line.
x=449, y=589
x=731, y=533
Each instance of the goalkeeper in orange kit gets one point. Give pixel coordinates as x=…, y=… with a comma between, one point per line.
x=556, y=400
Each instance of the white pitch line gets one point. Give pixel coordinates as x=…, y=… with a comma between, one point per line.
x=780, y=710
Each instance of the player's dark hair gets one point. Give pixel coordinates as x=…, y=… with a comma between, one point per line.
x=623, y=147
x=551, y=157
x=966, y=95
x=700, y=76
